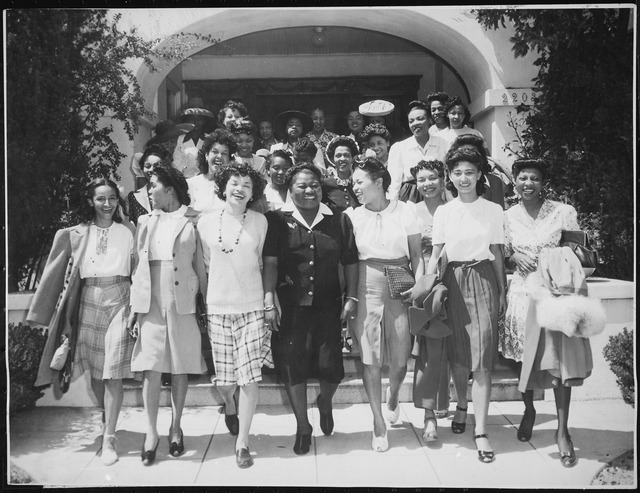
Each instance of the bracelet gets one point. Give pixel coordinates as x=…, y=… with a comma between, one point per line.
x=269, y=308
x=352, y=298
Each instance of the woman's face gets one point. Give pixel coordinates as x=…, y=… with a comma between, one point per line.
x=266, y=130
x=343, y=159
x=294, y=128
x=218, y=155
x=104, y=203
x=278, y=168
x=380, y=146
x=418, y=122
x=464, y=177
x=245, y=144
x=238, y=191
x=456, y=116
x=197, y=120
x=366, y=189
x=230, y=116
x=161, y=196
x=529, y=184
x=438, y=113
x=429, y=184
x=306, y=190
x=149, y=163
x=318, y=120
x=355, y=122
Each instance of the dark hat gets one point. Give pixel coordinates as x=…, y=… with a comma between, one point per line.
x=167, y=130
x=210, y=119
x=341, y=140
x=282, y=119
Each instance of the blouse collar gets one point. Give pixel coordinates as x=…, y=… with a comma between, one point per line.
x=323, y=210
x=175, y=214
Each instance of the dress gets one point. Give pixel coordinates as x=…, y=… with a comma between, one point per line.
x=526, y=235
x=139, y=204
x=274, y=199
x=338, y=192
x=203, y=193
x=451, y=134
x=322, y=142
x=185, y=156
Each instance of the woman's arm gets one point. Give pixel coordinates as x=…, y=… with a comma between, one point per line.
x=394, y=167
x=269, y=279
x=350, y=301
x=415, y=255
x=432, y=267
x=498, y=267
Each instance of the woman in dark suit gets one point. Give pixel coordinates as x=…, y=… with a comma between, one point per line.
x=139, y=203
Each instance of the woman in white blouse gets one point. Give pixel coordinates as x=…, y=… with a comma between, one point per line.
x=387, y=234
x=99, y=251
x=470, y=229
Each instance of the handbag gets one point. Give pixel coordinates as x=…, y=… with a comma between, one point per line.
x=201, y=314
x=578, y=241
x=400, y=279
x=60, y=355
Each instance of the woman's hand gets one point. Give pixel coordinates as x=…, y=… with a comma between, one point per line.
x=132, y=326
x=407, y=296
x=524, y=262
x=349, y=310
x=272, y=319
x=503, y=303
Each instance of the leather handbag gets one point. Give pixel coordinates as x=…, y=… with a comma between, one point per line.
x=400, y=279
x=578, y=241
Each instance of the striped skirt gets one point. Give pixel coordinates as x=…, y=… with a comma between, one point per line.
x=104, y=345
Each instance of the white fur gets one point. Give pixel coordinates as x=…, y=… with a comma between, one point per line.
x=573, y=315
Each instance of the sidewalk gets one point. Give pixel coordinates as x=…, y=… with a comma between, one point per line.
x=60, y=446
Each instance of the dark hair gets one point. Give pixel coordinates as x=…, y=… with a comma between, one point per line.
x=171, y=177
x=232, y=105
x=305, y=145
x=418, y=104
x=301, y=168
x=538, y=164
x=224, y=174
x=471, y=156
x=218, y=136
x=470, y=139
x=341, y=141
x=372, y=130
x=317, y=108
x=442, y=97
x=154, y=150
x=281, y=153
x=456, y=101
x=433, y=165
x=375, y=169
x=242, y=127
x=87, y=212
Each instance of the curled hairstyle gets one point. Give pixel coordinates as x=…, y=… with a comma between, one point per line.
x=218, y=136
x=154, y=150
x=306, y=146
x=434, y=165
x=470, y=156
x=232, y=105
x=456, y=101
x=372, y=130
x=87, y=212
x=301, y=168
x=342, y=141
x=224, y=174
x=242, y=127
x=419, y=105
x=171, y=177
x=375, y=169
x=441, y=97
x=538, y=164
x=281, y=153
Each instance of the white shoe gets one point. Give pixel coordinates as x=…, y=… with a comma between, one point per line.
x=430, y=432
x=109, y=455
x=392, y=415
x=379, y=444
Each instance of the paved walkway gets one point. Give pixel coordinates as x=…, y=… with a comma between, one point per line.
x=60, y=446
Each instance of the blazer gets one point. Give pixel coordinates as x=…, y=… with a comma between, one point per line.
x=189, y=275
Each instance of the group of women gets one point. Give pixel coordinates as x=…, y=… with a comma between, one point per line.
x=343, y=216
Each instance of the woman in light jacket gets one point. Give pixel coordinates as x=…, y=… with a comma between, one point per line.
x=168, y=275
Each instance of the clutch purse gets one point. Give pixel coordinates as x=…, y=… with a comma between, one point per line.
x=578, y=241
x=400, y=279
x=61, y=354
x=201, y=314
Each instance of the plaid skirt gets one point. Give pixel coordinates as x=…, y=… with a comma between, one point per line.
x=104, y=345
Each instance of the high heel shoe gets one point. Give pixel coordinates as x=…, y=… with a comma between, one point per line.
x=302, y=443
x=109, y=455
x=526, y=425
x=148, y=456
x=380, y=444
x=485, y=456
x=176, y=449
x=392, y=415
x=326, y=419
x=567, y=459
x=430, y=435
x=456, y=427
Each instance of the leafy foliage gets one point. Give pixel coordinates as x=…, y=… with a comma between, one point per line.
x=619, y=353
x=24, y=350
x=581, y=120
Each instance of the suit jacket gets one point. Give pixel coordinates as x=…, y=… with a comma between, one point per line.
x=189, y=275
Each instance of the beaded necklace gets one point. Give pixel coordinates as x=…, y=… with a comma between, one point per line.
x=244, y=216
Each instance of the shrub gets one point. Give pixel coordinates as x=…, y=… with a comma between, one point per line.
x=619, y=353
x=25, y=348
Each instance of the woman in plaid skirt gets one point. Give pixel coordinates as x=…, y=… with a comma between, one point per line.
x=89, y=268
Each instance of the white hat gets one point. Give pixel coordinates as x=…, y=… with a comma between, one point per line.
x=377, y=107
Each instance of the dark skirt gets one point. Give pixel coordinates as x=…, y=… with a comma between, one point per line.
x=309, y=344
x=431, y=373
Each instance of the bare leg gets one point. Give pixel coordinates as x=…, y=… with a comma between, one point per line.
x=97, y=386
x=460, y=376
x=247, y=408
x=151, y=397
x=179, y=386
x=396, y=377
x=481, y=395
x=371, y=377
x=112, y=404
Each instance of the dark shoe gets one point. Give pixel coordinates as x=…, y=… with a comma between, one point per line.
x=166, y=379
x=326, y=419
x=148, y=456
x=456, y=427
x=484, y=455
x=176, y=449
x=243, y=458
x=526, y=425
x=303, y=443
x=233, y=424
x=567, y=459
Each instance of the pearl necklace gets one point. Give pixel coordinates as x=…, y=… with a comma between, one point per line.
x=244, y=216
